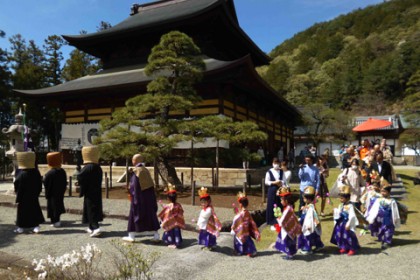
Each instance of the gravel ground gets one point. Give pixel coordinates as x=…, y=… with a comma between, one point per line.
x=189, y=262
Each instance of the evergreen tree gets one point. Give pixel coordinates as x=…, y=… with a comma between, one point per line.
x=27, y=62
x=176, y=64
x=80, y=64
x=145, y=124
x=224, y=128
x=54, y=56
x=5, y=91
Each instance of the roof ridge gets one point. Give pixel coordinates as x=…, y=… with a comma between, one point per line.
x=157, y=4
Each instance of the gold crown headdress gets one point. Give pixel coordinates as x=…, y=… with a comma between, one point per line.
x=171, y=188
x=309, y=190
x=241, y=195
x=283, y=191
x=374, y=176
x=385, y=184
x=345, y=190
x=203, y=192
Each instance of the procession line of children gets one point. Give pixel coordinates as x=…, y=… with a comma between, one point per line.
x=293, y=233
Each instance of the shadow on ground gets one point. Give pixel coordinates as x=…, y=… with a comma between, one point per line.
x=7, y=235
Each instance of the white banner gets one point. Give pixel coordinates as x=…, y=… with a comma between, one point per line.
x=207, y=143
x=70, y=133
x=87, y=132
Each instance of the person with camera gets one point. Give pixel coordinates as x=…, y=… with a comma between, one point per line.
x=309, y=176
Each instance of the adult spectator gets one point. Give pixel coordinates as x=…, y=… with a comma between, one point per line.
x=273, y=181
x=291, y=158
x=261, y=153
x=280, y=154
x=287, y=174
x=382, y=167
x=364, y=151
x=353, y=178
x=309, y=176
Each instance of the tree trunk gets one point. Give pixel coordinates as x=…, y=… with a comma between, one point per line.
x=168, y=173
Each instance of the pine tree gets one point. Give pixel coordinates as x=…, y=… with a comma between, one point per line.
x=145, y=124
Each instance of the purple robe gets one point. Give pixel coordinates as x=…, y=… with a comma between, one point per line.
x=173, y=237
x=248, y=247
x=206, y=239
x=344, y=239
x=143, y=208
x=386, y=227
x=287, y=245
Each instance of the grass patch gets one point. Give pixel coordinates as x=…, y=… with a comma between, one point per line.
x=405, y=235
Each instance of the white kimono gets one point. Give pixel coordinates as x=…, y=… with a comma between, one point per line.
x=366, y=199
x=373, y=213
x=353, y=222
x=203, y=219
x=311, y=222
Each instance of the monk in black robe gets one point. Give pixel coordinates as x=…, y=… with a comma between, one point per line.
x=90, y=182
x=55, y=182
x=28, y=186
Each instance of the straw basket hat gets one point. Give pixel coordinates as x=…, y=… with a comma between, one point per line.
x=54, y=159
x=90, y=154
x=25, y=160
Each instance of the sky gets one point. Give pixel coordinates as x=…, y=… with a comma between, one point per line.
x=267, y=22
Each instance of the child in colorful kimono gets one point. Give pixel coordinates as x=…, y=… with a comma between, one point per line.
x=345, y=220
x=368, y=199
x=289, y=226
x=172, y=217
x=244, y=229
x=208, y=223
x=385, y=212
x=311, y=226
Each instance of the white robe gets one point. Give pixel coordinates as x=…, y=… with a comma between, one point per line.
x=311, y=222
x=353, y=222
x=374, y=211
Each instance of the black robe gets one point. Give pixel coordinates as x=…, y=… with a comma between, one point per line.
x=55, y=182
x=90, y=181
x=28, y=186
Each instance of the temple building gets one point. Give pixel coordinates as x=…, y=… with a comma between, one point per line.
x=230, y=86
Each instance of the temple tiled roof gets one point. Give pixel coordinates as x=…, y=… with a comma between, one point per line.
x=188, y=16
x=111, y=77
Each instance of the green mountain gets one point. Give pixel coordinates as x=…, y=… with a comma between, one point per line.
x=359, y=62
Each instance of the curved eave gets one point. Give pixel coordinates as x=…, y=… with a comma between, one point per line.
x=146, y=19
x=284, y=105
x=132, y=25
x=260, y=57
x=113, y=78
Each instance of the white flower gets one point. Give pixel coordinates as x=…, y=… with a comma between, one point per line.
x=42, y=275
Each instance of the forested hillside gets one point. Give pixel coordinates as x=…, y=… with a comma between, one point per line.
x=360, y=63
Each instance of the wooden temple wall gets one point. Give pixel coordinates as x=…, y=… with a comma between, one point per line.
x=278, y=131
